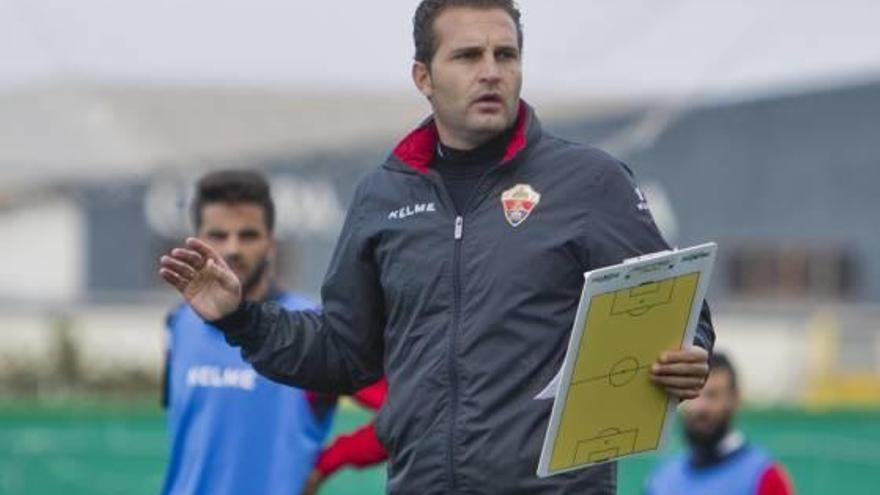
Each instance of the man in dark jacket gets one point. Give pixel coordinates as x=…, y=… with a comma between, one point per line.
x=457, y=273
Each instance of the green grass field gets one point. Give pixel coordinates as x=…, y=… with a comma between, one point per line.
x=81, y=447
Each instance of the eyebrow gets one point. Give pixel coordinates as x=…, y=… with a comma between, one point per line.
x=482, y=47
x=467, y=48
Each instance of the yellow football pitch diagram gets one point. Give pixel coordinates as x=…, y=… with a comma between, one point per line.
x=612, y=408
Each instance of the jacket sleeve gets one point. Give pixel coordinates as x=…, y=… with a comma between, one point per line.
x=373, y=395
x=359, y=449
x=775, y=481
x=621, y=227
x=338, y=349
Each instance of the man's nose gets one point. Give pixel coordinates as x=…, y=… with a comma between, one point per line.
x=230, y=247
x=490, y=72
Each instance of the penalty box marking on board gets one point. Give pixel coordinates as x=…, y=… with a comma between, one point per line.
x=640, y=300
x=608, y=444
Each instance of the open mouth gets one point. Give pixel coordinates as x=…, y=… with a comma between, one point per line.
x=491, y=98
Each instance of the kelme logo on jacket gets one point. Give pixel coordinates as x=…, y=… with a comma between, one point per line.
x=408, y=211
x=518, y=203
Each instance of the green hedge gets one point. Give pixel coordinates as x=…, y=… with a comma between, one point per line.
x=98, y=447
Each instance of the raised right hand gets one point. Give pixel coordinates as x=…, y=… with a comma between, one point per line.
x=203, y=278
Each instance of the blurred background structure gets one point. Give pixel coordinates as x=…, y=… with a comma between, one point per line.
x=750, y=123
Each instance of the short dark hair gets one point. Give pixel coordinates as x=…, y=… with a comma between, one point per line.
x=233, y=186
x=428, y=11
x=720, y=361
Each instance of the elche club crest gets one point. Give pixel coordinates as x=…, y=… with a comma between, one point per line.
x=518, y=203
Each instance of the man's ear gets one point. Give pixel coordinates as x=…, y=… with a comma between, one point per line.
x=272, y=250
x=421, y=76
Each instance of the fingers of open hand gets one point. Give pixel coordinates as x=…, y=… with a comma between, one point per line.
x=680, y=369
x=173, y=278
x=691, y=362
x=683, y=393
x=181, y=269
x=205, y=251
x=195, y=260
x=682, y=373
x=678, y=382
x=688, y=355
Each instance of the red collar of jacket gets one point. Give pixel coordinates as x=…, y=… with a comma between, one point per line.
x=417, y=149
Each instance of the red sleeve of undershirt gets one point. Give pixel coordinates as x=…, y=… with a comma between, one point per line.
x=322, y=404
x=775, y=481
x=372, y=396
x=359, y=449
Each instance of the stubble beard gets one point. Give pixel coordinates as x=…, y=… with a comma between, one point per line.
x=255, y=277
x=707, y=441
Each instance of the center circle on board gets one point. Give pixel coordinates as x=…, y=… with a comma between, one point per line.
x=623, y=372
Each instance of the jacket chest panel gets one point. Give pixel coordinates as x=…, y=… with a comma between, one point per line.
x=414, y=257
x=539, y=253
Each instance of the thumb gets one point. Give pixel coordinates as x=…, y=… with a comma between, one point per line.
x=223, y=274
x=205, y=249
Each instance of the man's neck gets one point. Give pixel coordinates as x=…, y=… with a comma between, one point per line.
x=464, y=142
x=462, y=170
x=703, y=456
x=486, y=151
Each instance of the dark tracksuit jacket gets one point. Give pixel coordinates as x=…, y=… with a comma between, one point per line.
x=467, y=315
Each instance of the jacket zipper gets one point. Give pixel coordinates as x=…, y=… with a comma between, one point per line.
x=457, y=236
x=456, y=327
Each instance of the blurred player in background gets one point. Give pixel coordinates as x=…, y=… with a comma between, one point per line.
x=233, y=431
x=358, y=449
x=719, y=461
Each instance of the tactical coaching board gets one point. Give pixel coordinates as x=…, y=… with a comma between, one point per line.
x=606, y=407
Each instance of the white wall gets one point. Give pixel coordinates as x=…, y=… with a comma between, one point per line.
x=776, y=352
x=120, y=341
x=772, y=355
x=106, y=345
x=27, y=346
x=41, y=251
